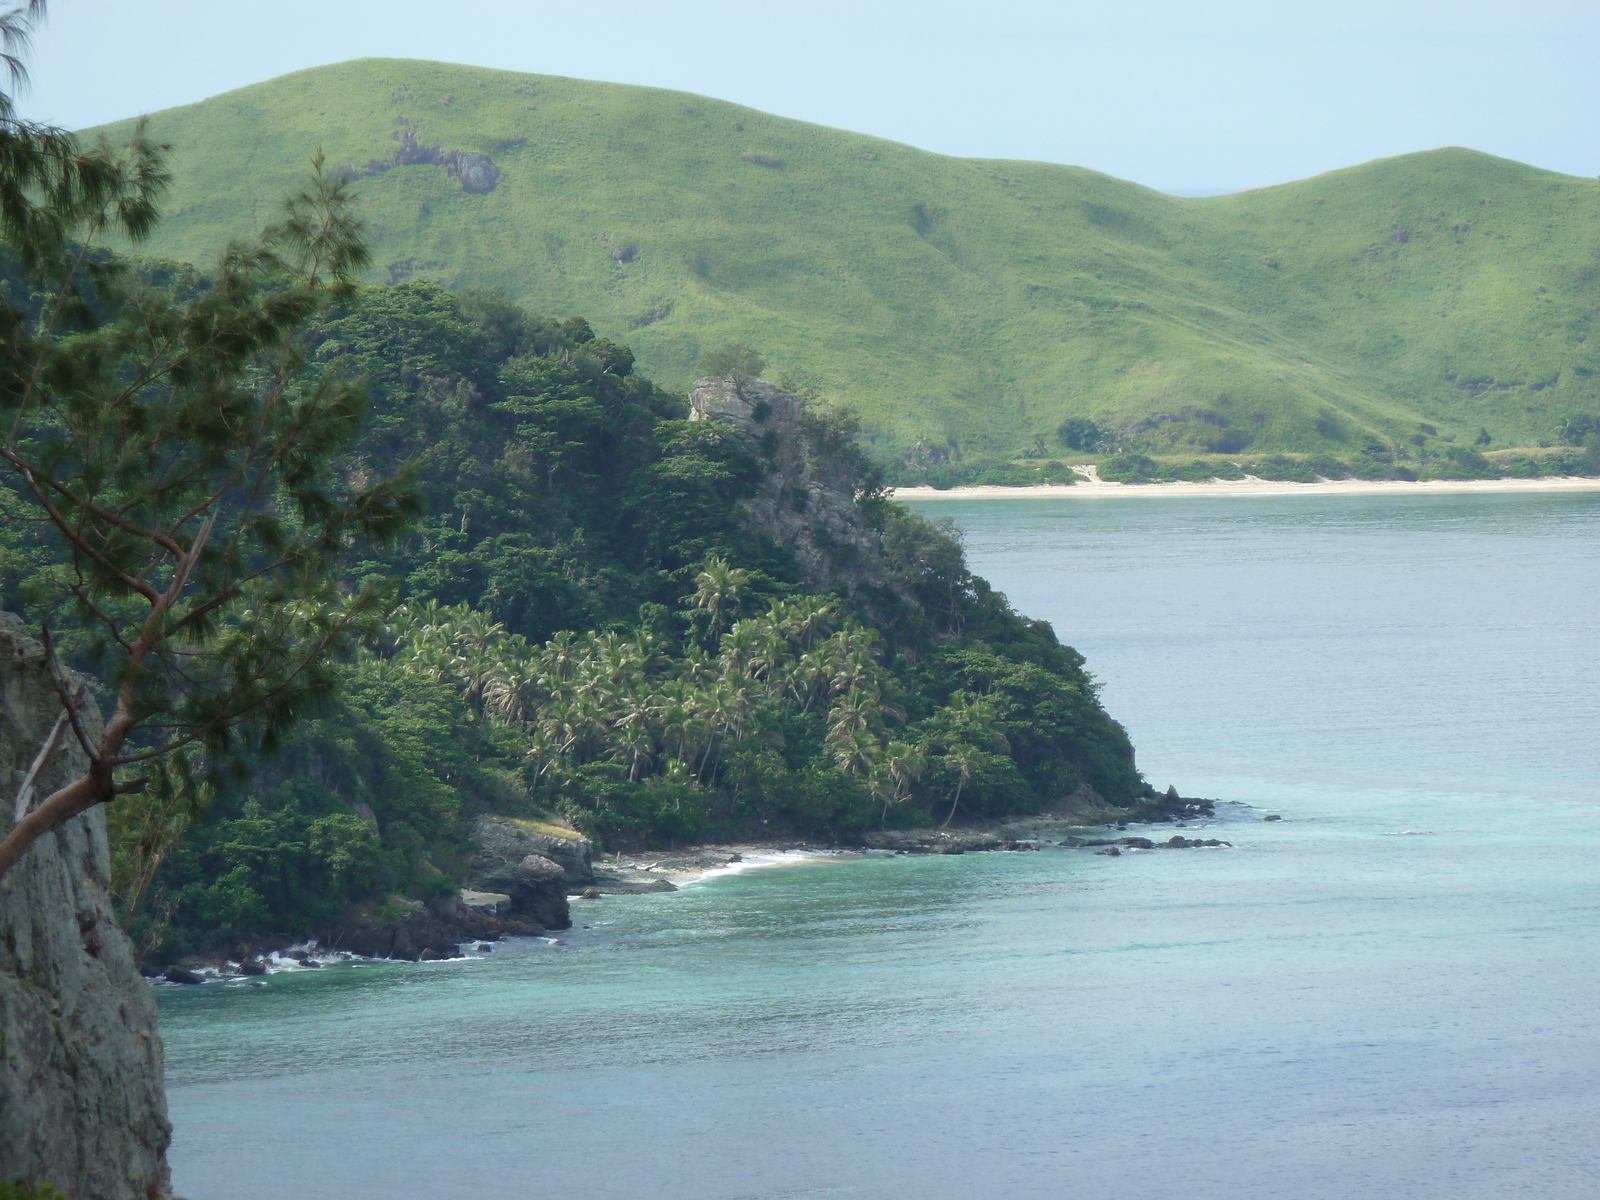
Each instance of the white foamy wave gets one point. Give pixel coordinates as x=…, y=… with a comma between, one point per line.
x=774, y=858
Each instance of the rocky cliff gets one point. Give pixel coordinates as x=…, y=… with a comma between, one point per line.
x=808, y=499
x=81, y=1099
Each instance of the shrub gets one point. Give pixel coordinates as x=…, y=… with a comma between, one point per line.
x=1080, y=433
x=1129, y=468
x=731, y=360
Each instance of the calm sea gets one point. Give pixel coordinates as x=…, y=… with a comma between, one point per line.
x=1389, y=993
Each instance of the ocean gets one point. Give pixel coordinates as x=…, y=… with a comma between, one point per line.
x=1388, y=993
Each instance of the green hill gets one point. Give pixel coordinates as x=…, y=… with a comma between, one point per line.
x=954, y=300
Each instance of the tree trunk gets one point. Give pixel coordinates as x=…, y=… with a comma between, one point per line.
x=955, y=801
x=79, y=796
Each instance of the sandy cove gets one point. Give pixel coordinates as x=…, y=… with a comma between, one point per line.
x=1250, y=487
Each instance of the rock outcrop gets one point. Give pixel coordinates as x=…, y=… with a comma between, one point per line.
x=499, y=844
x=81, y=1100
x=414, y=931
x=539, y=893
x=808, y=500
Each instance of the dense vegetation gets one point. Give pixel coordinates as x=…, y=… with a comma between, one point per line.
x=965, y=308
x=589, y=627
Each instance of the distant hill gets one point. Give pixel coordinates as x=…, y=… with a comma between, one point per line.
x=962, y=301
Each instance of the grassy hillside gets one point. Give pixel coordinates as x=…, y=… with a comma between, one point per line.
x=971, y=303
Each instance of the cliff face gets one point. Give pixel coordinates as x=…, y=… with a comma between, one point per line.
x=808, y=501
x=81, y=1100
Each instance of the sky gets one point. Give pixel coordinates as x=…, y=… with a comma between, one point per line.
x=1195, y=96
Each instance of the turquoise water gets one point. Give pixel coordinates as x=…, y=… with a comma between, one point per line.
x=1389, y=993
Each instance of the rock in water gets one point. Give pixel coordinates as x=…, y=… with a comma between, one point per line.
x=81, y=1100
x=539, y=893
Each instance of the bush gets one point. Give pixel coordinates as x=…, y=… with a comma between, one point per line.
x=731, y=360
x=1080, y=433
x=1280, y=467
x=1130, y=468
x=1459, y=462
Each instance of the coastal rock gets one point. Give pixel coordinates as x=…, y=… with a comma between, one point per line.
x=407, y=929
x=487, y=903
x=539, y=893
x=82, y=1106
x=1272, y=817
x=177, y=974
x=624, y=881
x=1109, y=851
x=500, y=843
x=935, y=841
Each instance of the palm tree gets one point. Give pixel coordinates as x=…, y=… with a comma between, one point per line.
x=808, y=618
x=904, y=764
x=959, y=761
x=856, y=752
x=559, y=658
x=977, y=720
x=697, y=668
x=856, y=670
x=634, y=746
x=719, y=587
x=855, y=710
x=740, y=646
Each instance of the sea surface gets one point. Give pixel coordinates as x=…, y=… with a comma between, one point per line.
x=1391, y=992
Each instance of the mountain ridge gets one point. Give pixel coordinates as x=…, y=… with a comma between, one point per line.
x=962, y=306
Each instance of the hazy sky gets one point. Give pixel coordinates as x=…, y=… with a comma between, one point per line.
x=1177, y=94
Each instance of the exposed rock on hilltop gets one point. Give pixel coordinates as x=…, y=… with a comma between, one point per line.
x=81, y=1100
x=808, y=502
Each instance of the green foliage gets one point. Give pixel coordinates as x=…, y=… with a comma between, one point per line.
x=590, y=628
x=1129, y=468
x=978, y=301
x=23, y=1190
x=731, y=361
x=168, y=456
x=563, y=490
x=1080, y=433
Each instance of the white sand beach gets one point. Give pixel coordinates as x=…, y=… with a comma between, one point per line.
x=1251, y=487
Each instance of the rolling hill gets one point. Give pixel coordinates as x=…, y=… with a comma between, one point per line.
x=969, y=303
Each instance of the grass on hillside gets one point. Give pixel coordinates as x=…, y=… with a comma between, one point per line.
x=964, y=307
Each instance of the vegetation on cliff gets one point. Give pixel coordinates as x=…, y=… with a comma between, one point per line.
x=592, y=626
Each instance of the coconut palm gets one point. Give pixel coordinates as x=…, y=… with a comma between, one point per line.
x=856, y=752
x=698, y=669
x=977, y=720
x=959, y=761
x=719, y=589
x=740, y=646
x=904, y=764
x=633, y=745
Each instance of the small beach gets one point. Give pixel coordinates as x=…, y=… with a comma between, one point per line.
x=1252, y=487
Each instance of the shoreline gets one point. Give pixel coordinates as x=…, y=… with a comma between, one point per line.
x=628, y=875
x=1102, y=489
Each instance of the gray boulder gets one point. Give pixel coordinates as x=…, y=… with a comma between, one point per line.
x=476, y=172
x=81, y=1100
x=499, y=844
x=539, y=893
